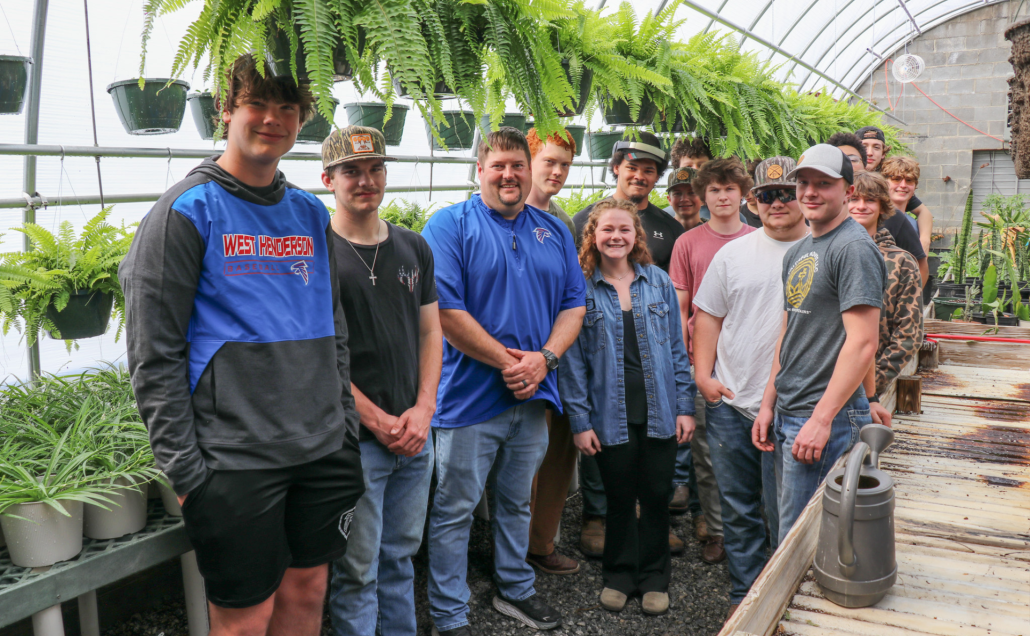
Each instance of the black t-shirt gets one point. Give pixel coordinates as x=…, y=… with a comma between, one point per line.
x=383, y=318
x=913, y=203
x=662, y=231
x=906, y=236
x=633, y=373
x=749, y=217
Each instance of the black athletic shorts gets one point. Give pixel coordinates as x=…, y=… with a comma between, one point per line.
x=248, y=526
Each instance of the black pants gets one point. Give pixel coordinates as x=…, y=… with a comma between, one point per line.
x=636, y=551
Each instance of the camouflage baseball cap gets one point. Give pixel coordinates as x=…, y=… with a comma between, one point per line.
x=683, y=176
x=773, y=173
x=353, y=143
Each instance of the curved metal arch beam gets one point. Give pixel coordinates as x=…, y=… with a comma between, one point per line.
x=968, y=8
x=717, y=11
x=818, y=35
x=751, y=27
x=792, y=27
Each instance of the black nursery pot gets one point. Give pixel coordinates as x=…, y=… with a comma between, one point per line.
x=618, y=113
x=14, y=82
x=202, y=107
x=85, y=316
x=158, y=109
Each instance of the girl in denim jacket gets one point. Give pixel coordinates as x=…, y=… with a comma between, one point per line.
x=627, y=389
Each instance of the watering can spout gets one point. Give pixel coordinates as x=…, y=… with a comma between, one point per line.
x=878, y=437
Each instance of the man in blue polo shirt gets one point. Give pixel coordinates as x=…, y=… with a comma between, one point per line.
x=512, y=299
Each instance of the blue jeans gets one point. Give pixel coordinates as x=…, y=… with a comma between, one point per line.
x=797, y=482
x=373, y=590
x=746, y=477
x=507, y=450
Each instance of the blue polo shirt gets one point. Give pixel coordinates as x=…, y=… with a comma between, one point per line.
x=513, y=277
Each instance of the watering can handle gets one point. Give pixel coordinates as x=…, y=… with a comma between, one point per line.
x=848, y=498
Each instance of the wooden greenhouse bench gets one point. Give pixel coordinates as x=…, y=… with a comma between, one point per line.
x=39, y=592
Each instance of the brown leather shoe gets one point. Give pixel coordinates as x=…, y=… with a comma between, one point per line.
x=676, y=545
x=713, y=552
x=591, y=537
x=655, y=603
x=701, y=528
x=553, y=563
x=680, y=500
x=733, y=610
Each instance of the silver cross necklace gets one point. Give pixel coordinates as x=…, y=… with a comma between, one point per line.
x=371, y=270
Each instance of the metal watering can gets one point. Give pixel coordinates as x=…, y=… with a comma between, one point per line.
x=854, y=560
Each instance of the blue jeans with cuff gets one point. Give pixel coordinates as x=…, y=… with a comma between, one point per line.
x=505, y=450
x=746, y=478
x=797, y=482
x=373, y=584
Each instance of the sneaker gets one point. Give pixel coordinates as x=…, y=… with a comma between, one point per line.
x=591, y=538
x=553, y=563
x=713, y=552
x=612, y=600
x=464, y=630
x=676, y=545
x=655, y=603
x=680, y=500
x=701, y=528
x=532, y=611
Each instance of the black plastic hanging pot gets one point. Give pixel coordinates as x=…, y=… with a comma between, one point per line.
x=277, y=55
x=342, y=69
x=459, y=133
x=85, y=316
x=586, y=82
x=14, y=82
x=515, y=120
x=317, y=128
x=441, y=90
x=602, y=143
x=577, y=133
x=677, y=127
x=618, y=113
x=205, y=115
x=155, y=110
x=371, y=114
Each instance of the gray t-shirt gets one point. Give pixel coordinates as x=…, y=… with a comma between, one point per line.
x=822, y=278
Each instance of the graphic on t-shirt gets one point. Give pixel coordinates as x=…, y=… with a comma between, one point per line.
x=541, y=233
x=409, y=278
x=658, y=235
x=799, y=281
x=345, y=521
x=300, y=268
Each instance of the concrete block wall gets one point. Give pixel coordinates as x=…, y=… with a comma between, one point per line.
x=966, y=72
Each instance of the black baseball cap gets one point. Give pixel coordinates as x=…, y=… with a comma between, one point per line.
x=871, y=132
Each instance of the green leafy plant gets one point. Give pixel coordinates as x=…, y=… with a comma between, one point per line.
x=962, y=241
x=576, y=200
x=407, y=214
x=57, y=266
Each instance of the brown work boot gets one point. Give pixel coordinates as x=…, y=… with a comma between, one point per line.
x=713, y=552
x=701, y=528
x=655, y=603
x=680, y=500
x=612, y=600
x=553, y=563
x=676, y=545
x=733, y=610
x=591, y=537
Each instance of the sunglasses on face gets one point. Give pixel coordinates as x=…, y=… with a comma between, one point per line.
x=768, y=196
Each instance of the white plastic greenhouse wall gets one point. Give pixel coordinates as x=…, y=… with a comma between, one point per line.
x=821, y=45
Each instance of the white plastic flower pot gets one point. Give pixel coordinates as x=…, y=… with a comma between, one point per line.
x=1024, y=323
x=127, y=514
x=169, y=499
x=42, y=536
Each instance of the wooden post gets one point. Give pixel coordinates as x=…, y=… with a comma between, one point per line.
x=928, y=355
x=910, y=389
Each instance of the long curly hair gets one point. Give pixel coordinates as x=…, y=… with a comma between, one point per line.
x=589, y=256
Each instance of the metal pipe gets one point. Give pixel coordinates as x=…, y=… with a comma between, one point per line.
x=31, y=136
x=787, y=54
x=39, y=201
x=34, y=150
x=915, y=24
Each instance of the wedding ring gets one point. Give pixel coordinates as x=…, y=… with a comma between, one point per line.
x=524, y=385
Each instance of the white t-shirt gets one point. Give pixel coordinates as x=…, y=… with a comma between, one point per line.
x=743, y=285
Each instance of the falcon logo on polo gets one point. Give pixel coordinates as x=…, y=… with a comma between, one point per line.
x=658, y=235
x=300, y=268
x=362, y=143
x=345, y=521
x=799, y=280
x=541, y=233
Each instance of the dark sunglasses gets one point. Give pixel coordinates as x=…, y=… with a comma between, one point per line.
x=768, y=196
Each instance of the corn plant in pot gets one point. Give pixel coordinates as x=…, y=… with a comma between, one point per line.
x=66, y=284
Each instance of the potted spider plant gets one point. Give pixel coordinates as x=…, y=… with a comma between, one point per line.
x=126, y=463
x=374, y=115
x=14, y=82
x=67, y=284
x=205, y=115
x=150, y=106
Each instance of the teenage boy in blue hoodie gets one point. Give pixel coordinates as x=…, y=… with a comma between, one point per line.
x=237, y=346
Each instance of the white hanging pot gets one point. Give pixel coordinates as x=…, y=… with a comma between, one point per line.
x=42, y=536
x=127, y=514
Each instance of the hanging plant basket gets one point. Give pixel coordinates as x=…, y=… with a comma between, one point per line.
x=661, y=124
x=515, y=120
x=577, y=133
x=14, y=83
x=618, y=113
x=441, y=90
x=602, y=143
x=317, y=128
x=371, y=114
x=277, y=55
x=42, y=536
x=127, y=513
x=202, y=106
x=155, y=110
x=459, y=133
x=85, y=316
x=586, y=82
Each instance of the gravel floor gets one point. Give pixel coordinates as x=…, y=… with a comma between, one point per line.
x=698, y=594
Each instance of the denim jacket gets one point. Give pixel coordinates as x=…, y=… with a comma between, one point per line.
x=591, y=371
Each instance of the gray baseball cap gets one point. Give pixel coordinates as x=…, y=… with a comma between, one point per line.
x=828, y=160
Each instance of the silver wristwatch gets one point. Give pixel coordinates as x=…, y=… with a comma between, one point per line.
x=550, y=359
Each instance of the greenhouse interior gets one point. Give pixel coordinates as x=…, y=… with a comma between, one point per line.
x=110, y=106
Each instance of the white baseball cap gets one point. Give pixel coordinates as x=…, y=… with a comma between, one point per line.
x=827, y=159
